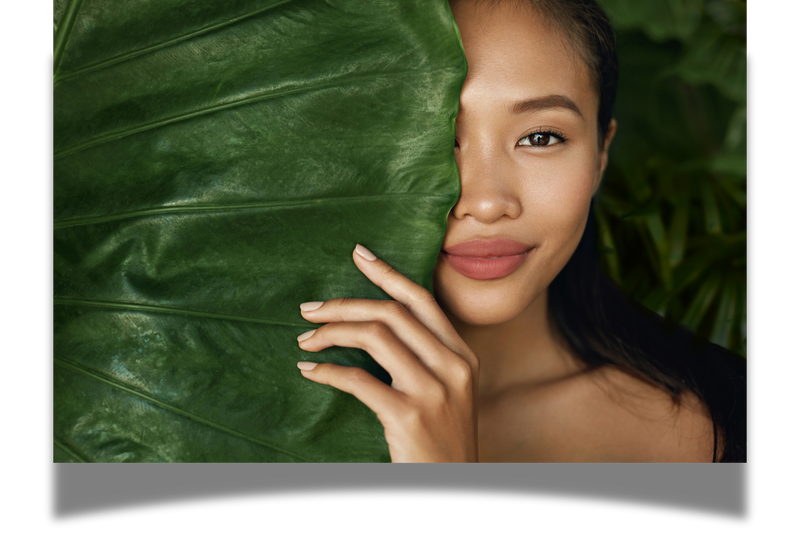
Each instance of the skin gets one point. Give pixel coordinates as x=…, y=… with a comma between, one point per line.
x=482, y=374
x=539, y=196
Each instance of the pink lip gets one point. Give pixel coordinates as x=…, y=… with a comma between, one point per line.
x=481, y=259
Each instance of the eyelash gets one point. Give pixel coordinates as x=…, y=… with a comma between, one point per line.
x=552, y=133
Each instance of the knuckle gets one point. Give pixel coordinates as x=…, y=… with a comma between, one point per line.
x=424, y=297
x=437, y=393
x=422, y=300
x=475, y=371
x=377, y=330
x=388, y=269
x=397, y=310
x=472, y=361
x=462, y=372
x=340, y=306
x=387, y=272
x=355, y=377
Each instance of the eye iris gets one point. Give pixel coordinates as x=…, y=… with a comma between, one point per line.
x=540, y=139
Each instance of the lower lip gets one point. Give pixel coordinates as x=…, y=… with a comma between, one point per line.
x=485, y=268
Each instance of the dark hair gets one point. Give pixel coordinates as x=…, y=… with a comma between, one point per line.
x=604, y=327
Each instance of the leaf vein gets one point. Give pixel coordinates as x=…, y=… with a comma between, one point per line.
x=188, y=210
x=158, y=46
x=68, y=450
x=177, y=311
x=222, y=107
x=133, y=391
x=63, y=32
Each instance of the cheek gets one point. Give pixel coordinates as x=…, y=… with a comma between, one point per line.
x=557, y=200
x=556, y=206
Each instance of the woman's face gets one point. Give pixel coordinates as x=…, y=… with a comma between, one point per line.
x=527, y=151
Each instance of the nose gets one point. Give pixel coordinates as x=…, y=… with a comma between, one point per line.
x=487, y=186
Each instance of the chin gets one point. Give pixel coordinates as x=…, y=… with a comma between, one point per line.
x=480, y=303
x=484, y=317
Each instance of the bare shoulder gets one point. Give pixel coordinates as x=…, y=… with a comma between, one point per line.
x=603, y=415
x=648, y=425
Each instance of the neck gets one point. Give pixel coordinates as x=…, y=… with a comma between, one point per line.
x=525, y=351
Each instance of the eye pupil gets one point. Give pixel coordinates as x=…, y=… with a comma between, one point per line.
x=540, y=139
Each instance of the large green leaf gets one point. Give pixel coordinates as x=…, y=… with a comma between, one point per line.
x=215, y=165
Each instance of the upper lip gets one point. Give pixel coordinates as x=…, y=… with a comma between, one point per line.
x=487, y=248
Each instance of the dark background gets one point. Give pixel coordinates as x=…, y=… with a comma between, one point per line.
x=672, y=208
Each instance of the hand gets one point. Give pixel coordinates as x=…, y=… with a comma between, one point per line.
x=428, y=413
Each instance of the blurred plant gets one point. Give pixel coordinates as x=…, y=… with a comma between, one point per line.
x=672, y=209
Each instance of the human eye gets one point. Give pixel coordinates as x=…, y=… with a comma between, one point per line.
x=542, y=138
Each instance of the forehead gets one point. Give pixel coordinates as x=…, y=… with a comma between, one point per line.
x=513, y=53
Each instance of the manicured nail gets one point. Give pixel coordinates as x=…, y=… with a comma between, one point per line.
x=306, y=366
x=311, y=306
x=305, y=335
x=364, y=253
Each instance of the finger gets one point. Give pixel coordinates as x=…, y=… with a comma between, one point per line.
x=380, y=398
x=413, y=334
x=414, y=297
x=374, y=337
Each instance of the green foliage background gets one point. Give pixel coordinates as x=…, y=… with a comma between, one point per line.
x=672, y=209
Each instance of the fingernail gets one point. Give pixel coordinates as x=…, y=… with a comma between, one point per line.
x=364, y=253
x=311, y=306
x=306, y=366
x=305, y=335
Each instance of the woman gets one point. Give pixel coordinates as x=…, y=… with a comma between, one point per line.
x=527, y=354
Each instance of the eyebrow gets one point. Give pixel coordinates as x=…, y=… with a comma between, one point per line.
x=546, y=102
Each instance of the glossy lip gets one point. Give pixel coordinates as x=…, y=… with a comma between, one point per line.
x=482, y=259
